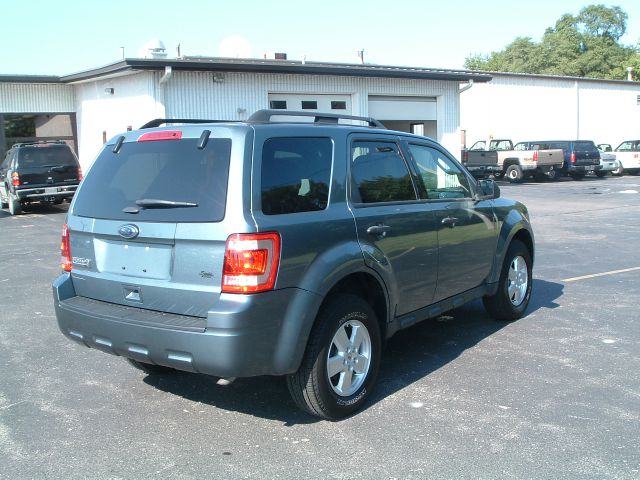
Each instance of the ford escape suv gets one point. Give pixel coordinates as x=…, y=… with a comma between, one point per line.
x=282, y=247
x=44, y=171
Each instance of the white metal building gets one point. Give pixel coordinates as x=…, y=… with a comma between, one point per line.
x=538, y=107
x=131, y=92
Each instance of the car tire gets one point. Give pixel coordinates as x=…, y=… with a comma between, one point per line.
x=341, y=361
x=514, y=287
x=4, y=203
x=514, y=173
x=552, y=175
x=15, y=208
x=150, y=367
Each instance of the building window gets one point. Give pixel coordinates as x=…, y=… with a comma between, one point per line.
x=309, y=105
x=417, y=129
x=338, y=105
x=278, y=104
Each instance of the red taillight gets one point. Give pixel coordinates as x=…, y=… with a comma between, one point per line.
x=573, y=157
x=65, y=250
x=160, y=135
x=80, y=175
x=535, y=156
x=251, y=262
x=15, y=179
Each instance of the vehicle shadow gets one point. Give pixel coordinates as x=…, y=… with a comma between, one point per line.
x=408, y=356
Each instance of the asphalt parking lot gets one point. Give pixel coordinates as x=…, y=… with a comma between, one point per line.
x=554, y=395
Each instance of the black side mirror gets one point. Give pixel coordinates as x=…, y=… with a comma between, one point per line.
x=487, y=188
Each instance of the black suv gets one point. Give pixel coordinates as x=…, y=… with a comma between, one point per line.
x=46, y=171
x=282, y=248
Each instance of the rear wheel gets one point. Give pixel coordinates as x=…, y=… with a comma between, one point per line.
x=150, y=367
x=514, y=173
x=341, y=362
x=618, y=171
x=15, y=208
x=552, y=174
x=514, y=287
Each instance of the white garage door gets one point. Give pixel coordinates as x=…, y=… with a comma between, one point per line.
x=325, y=103
x=402, y=108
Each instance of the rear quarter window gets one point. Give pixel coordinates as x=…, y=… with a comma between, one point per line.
x=175, y=171
x=296, y=173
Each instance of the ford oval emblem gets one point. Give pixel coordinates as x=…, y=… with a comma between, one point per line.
x=129, y=231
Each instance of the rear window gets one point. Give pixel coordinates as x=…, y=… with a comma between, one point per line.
x=45, y=156
x=585, y=147
x=169, y=171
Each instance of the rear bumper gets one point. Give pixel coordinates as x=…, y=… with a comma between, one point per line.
x=246, y=335
x=46, y=193
x=482, y=170
x=582, y=168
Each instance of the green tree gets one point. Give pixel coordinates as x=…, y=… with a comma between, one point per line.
x=586, y=45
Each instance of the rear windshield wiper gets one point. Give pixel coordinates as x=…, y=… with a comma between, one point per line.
x=156, y=203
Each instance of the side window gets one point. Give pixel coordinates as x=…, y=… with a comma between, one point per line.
x=520, y=146
x=441, y=177
x=624, y=147
x=295, y=174
x=379, y=174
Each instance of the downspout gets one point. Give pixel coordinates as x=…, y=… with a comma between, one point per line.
x=168, y=73
x=466, y=87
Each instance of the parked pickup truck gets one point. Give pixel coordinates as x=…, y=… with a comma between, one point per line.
x=580, y=156
x=628, y=154
x=526, y=159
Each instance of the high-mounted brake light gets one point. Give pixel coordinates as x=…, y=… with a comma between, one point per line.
x=251, y=262
x=573, y=157
x=65, y=250
x=15, y=179
x=160, y=135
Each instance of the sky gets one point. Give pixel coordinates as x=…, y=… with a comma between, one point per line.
x=68, y=36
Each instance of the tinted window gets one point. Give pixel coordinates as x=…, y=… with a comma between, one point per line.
x=160, y=170
x=50, y=155
x=295, y=174
x=584, y=147
x=441, y=177
x=379, y=174
x=278, y=104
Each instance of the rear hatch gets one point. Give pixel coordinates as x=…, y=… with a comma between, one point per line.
x=145, y=224
x=45, y=165
x=586, y=153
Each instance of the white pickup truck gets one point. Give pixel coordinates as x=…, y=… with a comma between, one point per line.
x=628, y=154
x=524, y=160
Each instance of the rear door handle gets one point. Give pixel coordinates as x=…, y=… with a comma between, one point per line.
x=378, y=230
x=450, y=221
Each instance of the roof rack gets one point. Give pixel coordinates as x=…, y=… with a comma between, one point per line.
x=39, y=142
x=265, y=116
x=163, y=121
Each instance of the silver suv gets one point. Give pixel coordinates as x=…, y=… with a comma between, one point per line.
x=282, y=248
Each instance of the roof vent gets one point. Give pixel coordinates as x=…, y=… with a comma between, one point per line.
x=153, y=49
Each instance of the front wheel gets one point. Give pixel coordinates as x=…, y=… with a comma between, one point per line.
x=514, y=287
x=341, y=362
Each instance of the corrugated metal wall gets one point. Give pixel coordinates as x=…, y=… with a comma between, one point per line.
x=36, y=98
x=531, y=108
x=236, y=95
